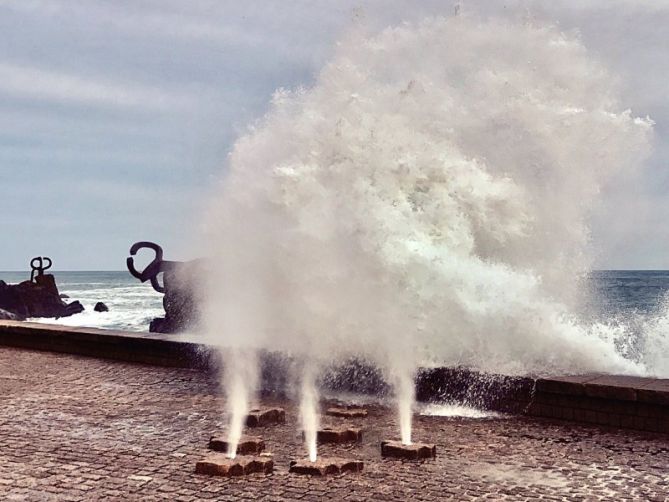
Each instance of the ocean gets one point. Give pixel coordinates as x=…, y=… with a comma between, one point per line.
x=131, y=304
x=616, y=294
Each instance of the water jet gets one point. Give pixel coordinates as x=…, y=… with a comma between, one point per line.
x=309, y=410
x=383, y=215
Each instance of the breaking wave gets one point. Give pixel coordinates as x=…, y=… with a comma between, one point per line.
x=426, y=201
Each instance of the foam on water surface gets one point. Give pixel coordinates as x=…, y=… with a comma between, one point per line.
x=456, y=410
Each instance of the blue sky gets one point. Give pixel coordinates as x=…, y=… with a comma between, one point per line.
x=116, y=116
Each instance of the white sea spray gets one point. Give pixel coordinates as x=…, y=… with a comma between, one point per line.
x=426, y=201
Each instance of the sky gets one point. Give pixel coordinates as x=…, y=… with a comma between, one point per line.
x=116, y=116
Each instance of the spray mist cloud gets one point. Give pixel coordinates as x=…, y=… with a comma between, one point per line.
x=427, y=196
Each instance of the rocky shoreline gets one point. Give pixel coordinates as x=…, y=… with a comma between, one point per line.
x=35, y=298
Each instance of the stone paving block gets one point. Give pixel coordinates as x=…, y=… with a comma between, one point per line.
x=346, y=412
x=414, y=451
x=261, y=417
x=218, y=464
x=248, y=445
x=325, y=466
x=339, y=435
x=101, y=422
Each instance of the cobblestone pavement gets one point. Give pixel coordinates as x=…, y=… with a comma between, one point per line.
x=74, y=428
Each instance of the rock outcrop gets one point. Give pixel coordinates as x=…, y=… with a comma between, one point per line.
x=101, y=307
x=36, y=299
x=9, y=316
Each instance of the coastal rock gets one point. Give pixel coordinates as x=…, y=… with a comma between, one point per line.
x=158, y=325
x=9, y=316
x=73, y=308
x=36, y=299
x=101, y=307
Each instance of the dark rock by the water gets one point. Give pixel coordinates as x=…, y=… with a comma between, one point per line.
x=64, y=296
x=36, y=299
x=101, y=307
x=9, y=316
x=73, y=308
x=159, y=325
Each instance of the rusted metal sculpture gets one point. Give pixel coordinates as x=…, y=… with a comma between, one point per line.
x=158, y=265
x=37, y=265
x=179, y=301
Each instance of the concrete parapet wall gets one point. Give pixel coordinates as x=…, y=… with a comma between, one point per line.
x=617, y=401
x=144, y=348
x=482, y=390
x=610, y=400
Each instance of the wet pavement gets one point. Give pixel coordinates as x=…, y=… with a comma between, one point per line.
x=76, y=428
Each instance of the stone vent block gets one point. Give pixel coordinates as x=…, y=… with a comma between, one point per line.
x=325, y=466
x=414, y=451
x=339, y=435
x=248, y=445
x=347, y=412
x=261, y=417
x=218, y=464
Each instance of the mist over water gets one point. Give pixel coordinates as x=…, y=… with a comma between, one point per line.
x=426, y=202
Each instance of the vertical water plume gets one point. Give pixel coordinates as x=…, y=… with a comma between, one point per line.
x=240, y=382
x=309, y=414
x=405, y=399
x=429, y=193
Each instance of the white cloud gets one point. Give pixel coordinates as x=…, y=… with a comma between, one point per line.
x=198, y=70
x=26, y=82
